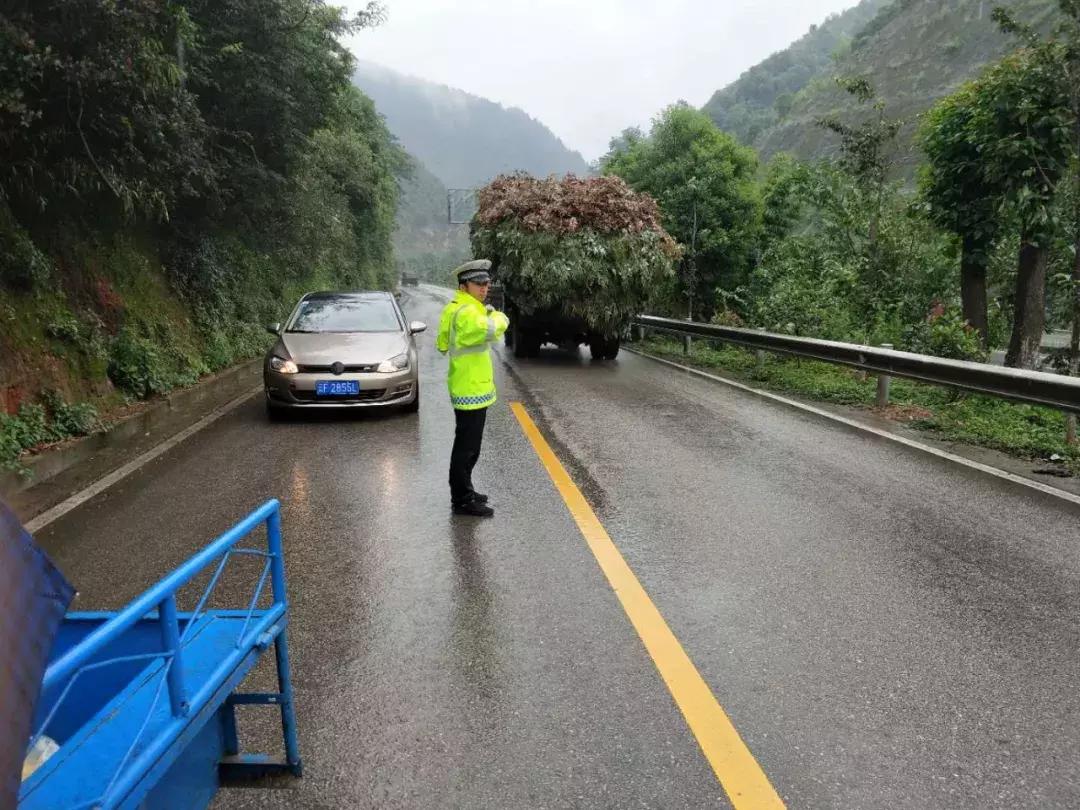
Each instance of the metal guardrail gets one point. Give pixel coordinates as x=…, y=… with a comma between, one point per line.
x=1034, y=387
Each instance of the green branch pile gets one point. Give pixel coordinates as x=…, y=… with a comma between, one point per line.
x=592, y=247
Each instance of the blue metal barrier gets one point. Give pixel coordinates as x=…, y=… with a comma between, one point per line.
x=121, y=745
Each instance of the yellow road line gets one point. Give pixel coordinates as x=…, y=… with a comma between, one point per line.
x=743, y=780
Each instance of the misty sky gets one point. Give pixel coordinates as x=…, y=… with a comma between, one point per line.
x=586, y=68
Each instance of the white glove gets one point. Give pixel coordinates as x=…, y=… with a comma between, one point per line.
x=489, y=308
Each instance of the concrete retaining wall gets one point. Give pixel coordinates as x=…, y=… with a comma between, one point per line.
x=160, y=421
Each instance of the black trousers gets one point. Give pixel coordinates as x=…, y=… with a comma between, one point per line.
x=468, y=437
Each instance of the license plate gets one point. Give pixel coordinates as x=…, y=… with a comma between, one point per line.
x=337, y=388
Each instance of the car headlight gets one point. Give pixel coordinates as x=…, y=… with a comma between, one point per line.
x=398, y=363
x=283, y=366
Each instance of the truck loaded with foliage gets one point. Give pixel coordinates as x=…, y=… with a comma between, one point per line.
x=576, y=258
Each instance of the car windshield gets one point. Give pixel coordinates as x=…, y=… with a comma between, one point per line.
x=345, y=315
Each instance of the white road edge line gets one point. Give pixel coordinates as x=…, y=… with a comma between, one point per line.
x=99, y=486
x=943, y=454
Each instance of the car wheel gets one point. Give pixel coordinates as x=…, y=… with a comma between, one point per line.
x=275, y=413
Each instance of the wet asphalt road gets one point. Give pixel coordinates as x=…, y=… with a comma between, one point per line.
x=884, y=628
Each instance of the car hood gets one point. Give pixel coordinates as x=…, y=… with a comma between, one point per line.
x=357, y=348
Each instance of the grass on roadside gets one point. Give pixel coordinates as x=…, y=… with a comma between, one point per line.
x=1026, y=431
x=35, y=425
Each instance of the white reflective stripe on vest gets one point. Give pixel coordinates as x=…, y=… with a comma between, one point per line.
x=453, y=325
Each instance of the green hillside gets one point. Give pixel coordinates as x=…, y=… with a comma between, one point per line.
x=462, y=139
x=914, y=52
x=764, y=94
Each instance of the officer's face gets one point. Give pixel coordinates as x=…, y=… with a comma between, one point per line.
x=477, y=291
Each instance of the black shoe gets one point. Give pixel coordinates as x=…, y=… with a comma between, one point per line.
x=479, y=497
x=473, y=509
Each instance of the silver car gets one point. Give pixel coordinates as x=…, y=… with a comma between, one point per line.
x=343, y=350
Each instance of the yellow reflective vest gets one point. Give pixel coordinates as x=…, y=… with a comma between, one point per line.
x=466, y=332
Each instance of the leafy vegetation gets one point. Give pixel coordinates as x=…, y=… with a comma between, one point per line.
x=174, y=176
x=705, y=184
x=591, y=247
x=913, y=53
x=842, y=248
x=766, y=93
x=34, y=425
x=1005, y=153
x=960, y=199
x=1022, y=430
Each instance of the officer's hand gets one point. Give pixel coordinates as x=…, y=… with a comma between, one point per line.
x=489, y=308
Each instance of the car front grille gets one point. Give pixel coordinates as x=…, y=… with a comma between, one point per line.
x=369, y=369
x=364, y=396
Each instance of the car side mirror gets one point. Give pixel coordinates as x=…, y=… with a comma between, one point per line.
x=416, y=327
x=274, y=329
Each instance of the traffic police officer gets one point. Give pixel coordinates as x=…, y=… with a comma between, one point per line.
x=467, y=329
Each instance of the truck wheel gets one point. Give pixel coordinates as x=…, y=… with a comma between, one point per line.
x=519, y=342
x=603, y=348
x=596, y=346
x=526, y=343
x=532, y=343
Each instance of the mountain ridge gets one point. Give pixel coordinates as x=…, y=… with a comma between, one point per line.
x=914, y=52
x=463, y=139
x=759, y=98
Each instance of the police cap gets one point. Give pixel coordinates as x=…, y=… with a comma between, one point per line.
x=476, y=271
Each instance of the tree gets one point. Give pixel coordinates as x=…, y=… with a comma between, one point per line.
x=704, y=181
x=960, y=197
x=784, y=104
x=1020, y=127
x=267, y=75
x=1063, y=48
x=93, y=111
x=866, y=152
x=783, y=197
x=623, y=142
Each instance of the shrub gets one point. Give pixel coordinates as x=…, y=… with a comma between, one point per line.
x=22, y=266
x=70, y=419
x=64, y=326
x=28, y=428
x=134, y=365
x=31, y=427
x=945, y=333
x=141, y=368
